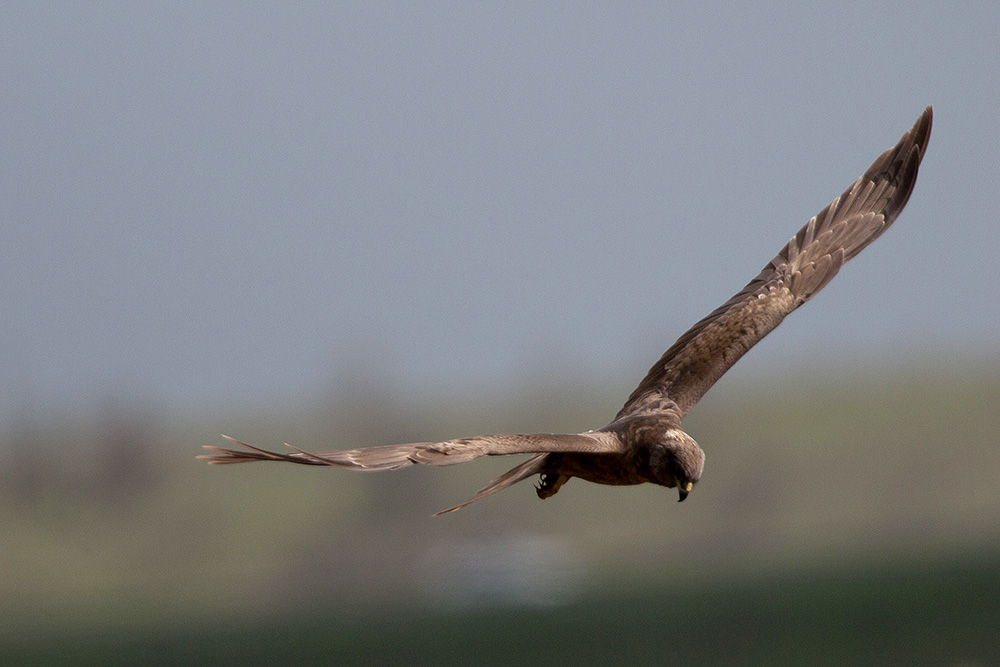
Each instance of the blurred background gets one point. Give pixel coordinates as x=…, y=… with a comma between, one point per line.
x=342, y=226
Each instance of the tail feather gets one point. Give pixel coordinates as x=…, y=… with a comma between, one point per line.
x=532, y=466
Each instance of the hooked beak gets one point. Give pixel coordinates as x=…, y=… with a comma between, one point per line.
x=683, y=490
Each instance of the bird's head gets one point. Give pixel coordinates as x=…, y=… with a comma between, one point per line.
x=677, y=461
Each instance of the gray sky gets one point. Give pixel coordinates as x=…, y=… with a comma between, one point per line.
x=210, y=203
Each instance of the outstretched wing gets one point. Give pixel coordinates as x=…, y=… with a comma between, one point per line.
x=450, y=452
x=803, y=267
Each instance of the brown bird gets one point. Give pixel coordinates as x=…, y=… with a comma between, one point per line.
x=645, y=442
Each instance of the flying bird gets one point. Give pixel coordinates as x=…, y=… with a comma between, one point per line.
x=645, y=442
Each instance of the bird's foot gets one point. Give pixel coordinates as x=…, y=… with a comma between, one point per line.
x=549, y=484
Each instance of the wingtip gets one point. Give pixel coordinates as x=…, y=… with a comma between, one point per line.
x=213, y=459
x=922, y=128
x=447, y=511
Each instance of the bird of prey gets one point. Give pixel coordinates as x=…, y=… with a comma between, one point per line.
x=645, y=442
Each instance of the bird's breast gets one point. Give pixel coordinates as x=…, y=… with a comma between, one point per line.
x=613, y=469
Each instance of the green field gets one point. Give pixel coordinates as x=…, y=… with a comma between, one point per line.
x=926, y=614
x=844, y=518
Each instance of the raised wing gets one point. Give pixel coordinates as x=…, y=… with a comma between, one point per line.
x=803, y=267
x=392, y=457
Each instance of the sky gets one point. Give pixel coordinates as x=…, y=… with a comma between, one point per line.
x=223, y=203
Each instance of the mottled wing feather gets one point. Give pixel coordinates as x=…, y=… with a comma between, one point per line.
x=803, y=267
x=392, y=457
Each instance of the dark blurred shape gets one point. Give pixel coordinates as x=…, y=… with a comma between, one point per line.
x=27, y=466
x=125, y=465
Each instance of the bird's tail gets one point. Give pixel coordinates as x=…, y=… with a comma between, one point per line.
x=532, y=466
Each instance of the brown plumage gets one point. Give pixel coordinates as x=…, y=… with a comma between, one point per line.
x=645, y=443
